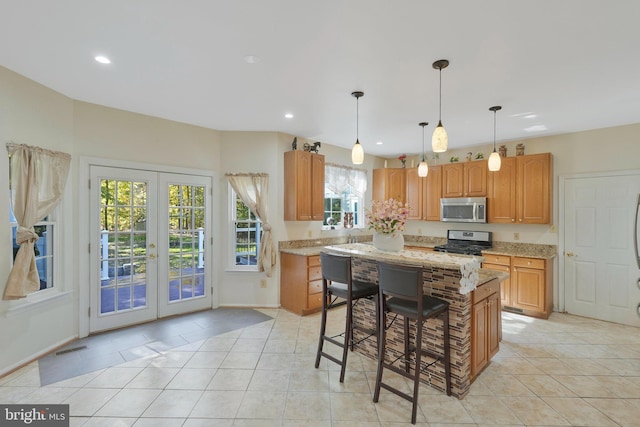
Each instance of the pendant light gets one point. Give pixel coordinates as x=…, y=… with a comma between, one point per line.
x=440, y=140
x=423, y=167
x=494, y=158
x=357, y=153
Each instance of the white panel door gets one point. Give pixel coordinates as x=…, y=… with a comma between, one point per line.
x=600, y=270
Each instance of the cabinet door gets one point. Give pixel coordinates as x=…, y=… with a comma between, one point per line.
x=475, y=178
x=297, y=186
x=501, y=192
x=452, y=180
x=317, y=187
x=505, y=286
x=433, y=193
x=479, y=355
x=528, y=289
x=534, y=188
x=494, y=325
x=414, y=193
x=389, y=183
x=397, y=187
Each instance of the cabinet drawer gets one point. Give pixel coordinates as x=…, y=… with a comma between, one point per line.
x=315, y=287
x=485, y=290
x=315, y=273
x=313, y=260
x=315, y=301
x=497, y=259
x=529, y=263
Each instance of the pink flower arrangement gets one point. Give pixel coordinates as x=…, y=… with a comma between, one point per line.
x=387, y=216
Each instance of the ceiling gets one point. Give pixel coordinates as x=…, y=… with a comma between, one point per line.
x=554, y=67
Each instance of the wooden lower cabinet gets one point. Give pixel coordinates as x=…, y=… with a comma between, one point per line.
x=529, y=288
x=485, y=325
x=300, y=283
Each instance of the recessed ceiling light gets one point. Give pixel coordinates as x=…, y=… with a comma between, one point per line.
x=102, y=59
x=535, y=128
x=251, y=59
x=288, y=116
x=379, y=143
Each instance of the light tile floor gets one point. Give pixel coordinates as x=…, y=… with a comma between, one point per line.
x=565, y=371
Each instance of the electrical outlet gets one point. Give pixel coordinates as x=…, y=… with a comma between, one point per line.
x=420, y=231
x=309, y=233
x=516, y=236
x=554, y=229
x=263, y=283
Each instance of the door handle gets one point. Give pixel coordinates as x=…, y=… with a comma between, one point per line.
x=635, y=231
x=570, y=254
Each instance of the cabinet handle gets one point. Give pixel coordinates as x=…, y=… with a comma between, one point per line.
x=513, y=220
x=520, y=220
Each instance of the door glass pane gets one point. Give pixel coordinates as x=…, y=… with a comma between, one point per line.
x=186, y=242
x=123, y=245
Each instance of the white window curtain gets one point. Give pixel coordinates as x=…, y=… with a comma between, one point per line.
x=37, y=181
x=339, y=179
x=253, y=189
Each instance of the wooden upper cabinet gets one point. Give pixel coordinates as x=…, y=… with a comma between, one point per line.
x=317, y=187
x=303, y=186
x=467, y=179
x=452, y=180
x=534, y=176
x=501, y=192
x=520, y=192
x=415, y=193
x=432, y=194
x=475, y=178
x=390, y=183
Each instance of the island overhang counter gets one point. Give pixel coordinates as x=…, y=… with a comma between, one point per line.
x=457, y=279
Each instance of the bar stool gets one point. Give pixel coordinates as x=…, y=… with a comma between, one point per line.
x=401, y=293
x=337, y=282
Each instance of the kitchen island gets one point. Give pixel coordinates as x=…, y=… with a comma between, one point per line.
x=457, y=279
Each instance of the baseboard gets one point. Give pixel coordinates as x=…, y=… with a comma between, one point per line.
x=26, y=361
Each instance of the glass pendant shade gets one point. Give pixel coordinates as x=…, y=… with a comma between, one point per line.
x=494, y=162
x=423, y=168
x=357, y=154
x=439, y=140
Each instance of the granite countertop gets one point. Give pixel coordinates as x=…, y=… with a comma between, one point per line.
x=529, y=250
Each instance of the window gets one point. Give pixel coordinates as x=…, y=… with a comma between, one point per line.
x=245, y=239
x=343, y=193
x=43, y=248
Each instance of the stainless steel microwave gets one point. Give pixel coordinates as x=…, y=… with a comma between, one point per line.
x=463, y=209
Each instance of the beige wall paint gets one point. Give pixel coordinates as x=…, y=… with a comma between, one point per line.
x=33, y=114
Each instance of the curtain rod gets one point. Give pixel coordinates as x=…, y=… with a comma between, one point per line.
x=345, y=167
x=246, y=174
x=12, y=146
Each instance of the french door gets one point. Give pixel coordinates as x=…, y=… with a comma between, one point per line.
x=149, y=245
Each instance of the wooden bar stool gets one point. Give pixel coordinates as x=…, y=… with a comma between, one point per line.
x=338, y=283
x=401, y=293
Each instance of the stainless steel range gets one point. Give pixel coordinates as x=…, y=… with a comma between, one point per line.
x=466, y=242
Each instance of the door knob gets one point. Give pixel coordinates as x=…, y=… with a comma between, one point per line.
x=571, y=254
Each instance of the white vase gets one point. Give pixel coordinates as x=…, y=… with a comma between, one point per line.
x=393, y=242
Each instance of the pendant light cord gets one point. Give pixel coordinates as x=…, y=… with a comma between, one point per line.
x=358, y=119
x=440, y=102
x=494, y=130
